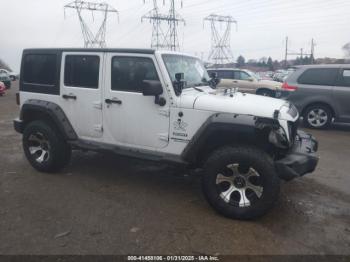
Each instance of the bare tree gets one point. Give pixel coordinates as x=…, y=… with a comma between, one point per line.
x=4, y=65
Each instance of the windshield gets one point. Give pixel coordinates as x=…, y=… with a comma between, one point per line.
x=194, y=72
x=254, y=75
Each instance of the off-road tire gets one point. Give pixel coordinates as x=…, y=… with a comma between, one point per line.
x=244, y=155
x=325, y=109
x=59, y=151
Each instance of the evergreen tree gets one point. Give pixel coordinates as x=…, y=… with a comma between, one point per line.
x=270, y=63
x=240, y=61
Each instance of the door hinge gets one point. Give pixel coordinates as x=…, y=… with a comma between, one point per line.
x=98, y=128
x=163, y=136
x=165, y=113
x=97, y=105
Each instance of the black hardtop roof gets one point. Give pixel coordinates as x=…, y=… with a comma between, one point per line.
x=106, y=50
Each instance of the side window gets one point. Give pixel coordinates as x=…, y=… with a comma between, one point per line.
x=225, y=74
x=319, y=76
x=344, y=78
x=40, y=69
x=244, y=76
x=81, y=71
x=129, y=72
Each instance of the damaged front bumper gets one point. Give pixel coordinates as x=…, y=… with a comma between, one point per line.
x=301, y=159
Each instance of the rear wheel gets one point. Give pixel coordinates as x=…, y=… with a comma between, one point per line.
x=44, y=147
x=317, y=117
x=240, y=182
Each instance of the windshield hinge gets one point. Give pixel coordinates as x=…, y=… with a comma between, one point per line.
x=97, y=104
x=163, y=136
x=165, y=113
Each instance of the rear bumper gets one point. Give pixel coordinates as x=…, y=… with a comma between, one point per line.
x=18, y=125
x=301, y=159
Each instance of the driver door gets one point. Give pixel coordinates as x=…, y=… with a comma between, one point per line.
x=130, y=118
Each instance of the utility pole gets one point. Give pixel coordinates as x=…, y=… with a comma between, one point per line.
x=286, y=54
x=91, y=39
x=312, y=56
x=160, y=40
x=220, y=52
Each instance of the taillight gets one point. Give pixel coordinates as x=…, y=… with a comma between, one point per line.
x=18, y=101
x=288, y=87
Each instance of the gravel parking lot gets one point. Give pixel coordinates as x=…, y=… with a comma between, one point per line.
x=106, y=204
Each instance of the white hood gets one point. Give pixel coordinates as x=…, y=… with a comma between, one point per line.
x=239, y=103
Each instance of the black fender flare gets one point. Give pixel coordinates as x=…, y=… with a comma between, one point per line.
x=242, y=127
x=53, y=111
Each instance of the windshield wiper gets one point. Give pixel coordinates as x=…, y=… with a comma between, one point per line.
x=198, y=89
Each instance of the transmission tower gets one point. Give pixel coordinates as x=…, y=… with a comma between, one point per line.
x=158, y=37
x=160, y=40
x=173, y=19
x=220, y=52
x=91, y=39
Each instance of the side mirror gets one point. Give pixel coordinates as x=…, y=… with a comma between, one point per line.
x=213, y=75
x=179, y=77
x=214, y=80
x=151, y=88
x=179, y=83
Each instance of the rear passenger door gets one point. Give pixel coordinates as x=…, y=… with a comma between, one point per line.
x=81, y=78
x=341, y=94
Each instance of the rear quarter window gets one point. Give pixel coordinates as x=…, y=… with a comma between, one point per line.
x=40, y=72
x=318, y=76
x=40, y=69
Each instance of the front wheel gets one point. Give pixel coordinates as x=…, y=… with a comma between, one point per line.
x=240, y=182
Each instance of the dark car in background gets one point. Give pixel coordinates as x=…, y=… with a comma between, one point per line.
x=321, y=93
x=5, y=78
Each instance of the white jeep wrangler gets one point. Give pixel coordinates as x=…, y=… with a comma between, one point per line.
x=161, y=106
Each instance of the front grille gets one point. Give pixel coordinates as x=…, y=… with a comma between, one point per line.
x=292, y=111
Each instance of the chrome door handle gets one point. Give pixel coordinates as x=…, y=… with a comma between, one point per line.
x=113, y=101
x=70, y=96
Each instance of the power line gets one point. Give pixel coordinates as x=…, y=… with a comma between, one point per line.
x=220, y=42
x=91, y=39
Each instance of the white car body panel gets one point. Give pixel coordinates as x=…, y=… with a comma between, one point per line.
x=148, y=126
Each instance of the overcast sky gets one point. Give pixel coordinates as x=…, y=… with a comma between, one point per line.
x=262, y=26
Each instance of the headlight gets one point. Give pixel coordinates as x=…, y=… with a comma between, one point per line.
x=292, y=111
x=279, y=138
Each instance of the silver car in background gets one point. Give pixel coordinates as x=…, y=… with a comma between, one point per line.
x=321, y=93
